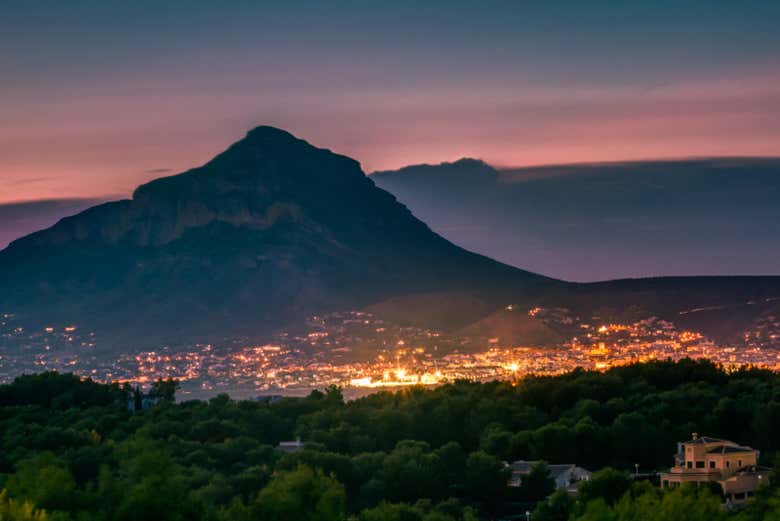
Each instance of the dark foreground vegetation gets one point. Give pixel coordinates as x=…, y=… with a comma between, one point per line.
x=73, y=449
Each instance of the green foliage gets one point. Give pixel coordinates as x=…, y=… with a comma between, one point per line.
x=485, y=476
x=150, y=485
x=300, y=495
x=46, y=482
x=164, y=390
x=13, y=510
x=687, y=503
x=71, y=447
x=538, y=484
x=607, y=484
x=423, y=510
x=558, y=507
x=59, y=391
x=411, y=471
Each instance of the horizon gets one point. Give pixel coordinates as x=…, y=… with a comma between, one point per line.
x=498, y=167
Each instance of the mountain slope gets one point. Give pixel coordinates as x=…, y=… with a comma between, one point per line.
x=274, y=230
x=23, y=218
x=267, y=232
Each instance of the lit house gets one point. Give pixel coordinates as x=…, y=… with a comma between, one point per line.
x=290, y=446
x=566, y=476
x=703, y=459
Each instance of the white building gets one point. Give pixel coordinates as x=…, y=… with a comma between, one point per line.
x=290, y=446
x=566, y=475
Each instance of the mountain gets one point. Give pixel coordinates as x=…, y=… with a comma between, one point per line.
x=594, y=222
x=268, y=232
x=21, y=218
x=274, y=230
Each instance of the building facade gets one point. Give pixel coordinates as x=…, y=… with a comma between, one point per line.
x=711, y=460
x=566, y=476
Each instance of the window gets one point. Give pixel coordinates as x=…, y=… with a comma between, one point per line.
x=739, y=463
x=690, y=464
x=728, y=464
x=699, y=464
x=712, y=464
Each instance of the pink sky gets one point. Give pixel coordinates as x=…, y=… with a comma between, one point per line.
x=97, y=97
x=96, y=145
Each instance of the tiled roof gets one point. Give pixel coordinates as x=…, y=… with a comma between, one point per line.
x=557, y=470
x=524, y=467
x=727, y=449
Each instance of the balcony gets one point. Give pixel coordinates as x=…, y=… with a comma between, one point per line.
x=684, y=475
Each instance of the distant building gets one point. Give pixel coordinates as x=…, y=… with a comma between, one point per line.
x=566, y=475
x=269, y=398
x=712, y=460
x=290, y=446
x=140, y=402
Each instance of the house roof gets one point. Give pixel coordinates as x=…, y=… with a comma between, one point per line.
x=557, y=470
x=729, y=449
x=524, y=467
x=703, y=440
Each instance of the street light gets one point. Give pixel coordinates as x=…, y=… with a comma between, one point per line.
x=636, y=470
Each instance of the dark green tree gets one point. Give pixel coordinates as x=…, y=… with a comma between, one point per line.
x=164, y=390
x=486, y=477
x=538, y=484
x=558, y=507
x=607, y=484
x=300, y=495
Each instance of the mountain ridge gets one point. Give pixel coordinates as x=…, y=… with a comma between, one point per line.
x=274, y=230
x=268, y=231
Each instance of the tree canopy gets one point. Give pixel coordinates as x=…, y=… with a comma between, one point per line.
x=71, y=448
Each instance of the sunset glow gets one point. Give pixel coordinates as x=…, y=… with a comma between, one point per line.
x=513, y=86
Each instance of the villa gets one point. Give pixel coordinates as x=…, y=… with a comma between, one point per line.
x=711, y=460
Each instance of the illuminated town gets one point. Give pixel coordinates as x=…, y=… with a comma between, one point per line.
x=360, y=352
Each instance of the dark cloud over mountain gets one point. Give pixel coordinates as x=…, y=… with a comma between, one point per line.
x=603, y=221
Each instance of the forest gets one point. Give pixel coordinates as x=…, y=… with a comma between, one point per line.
x=75, y=449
